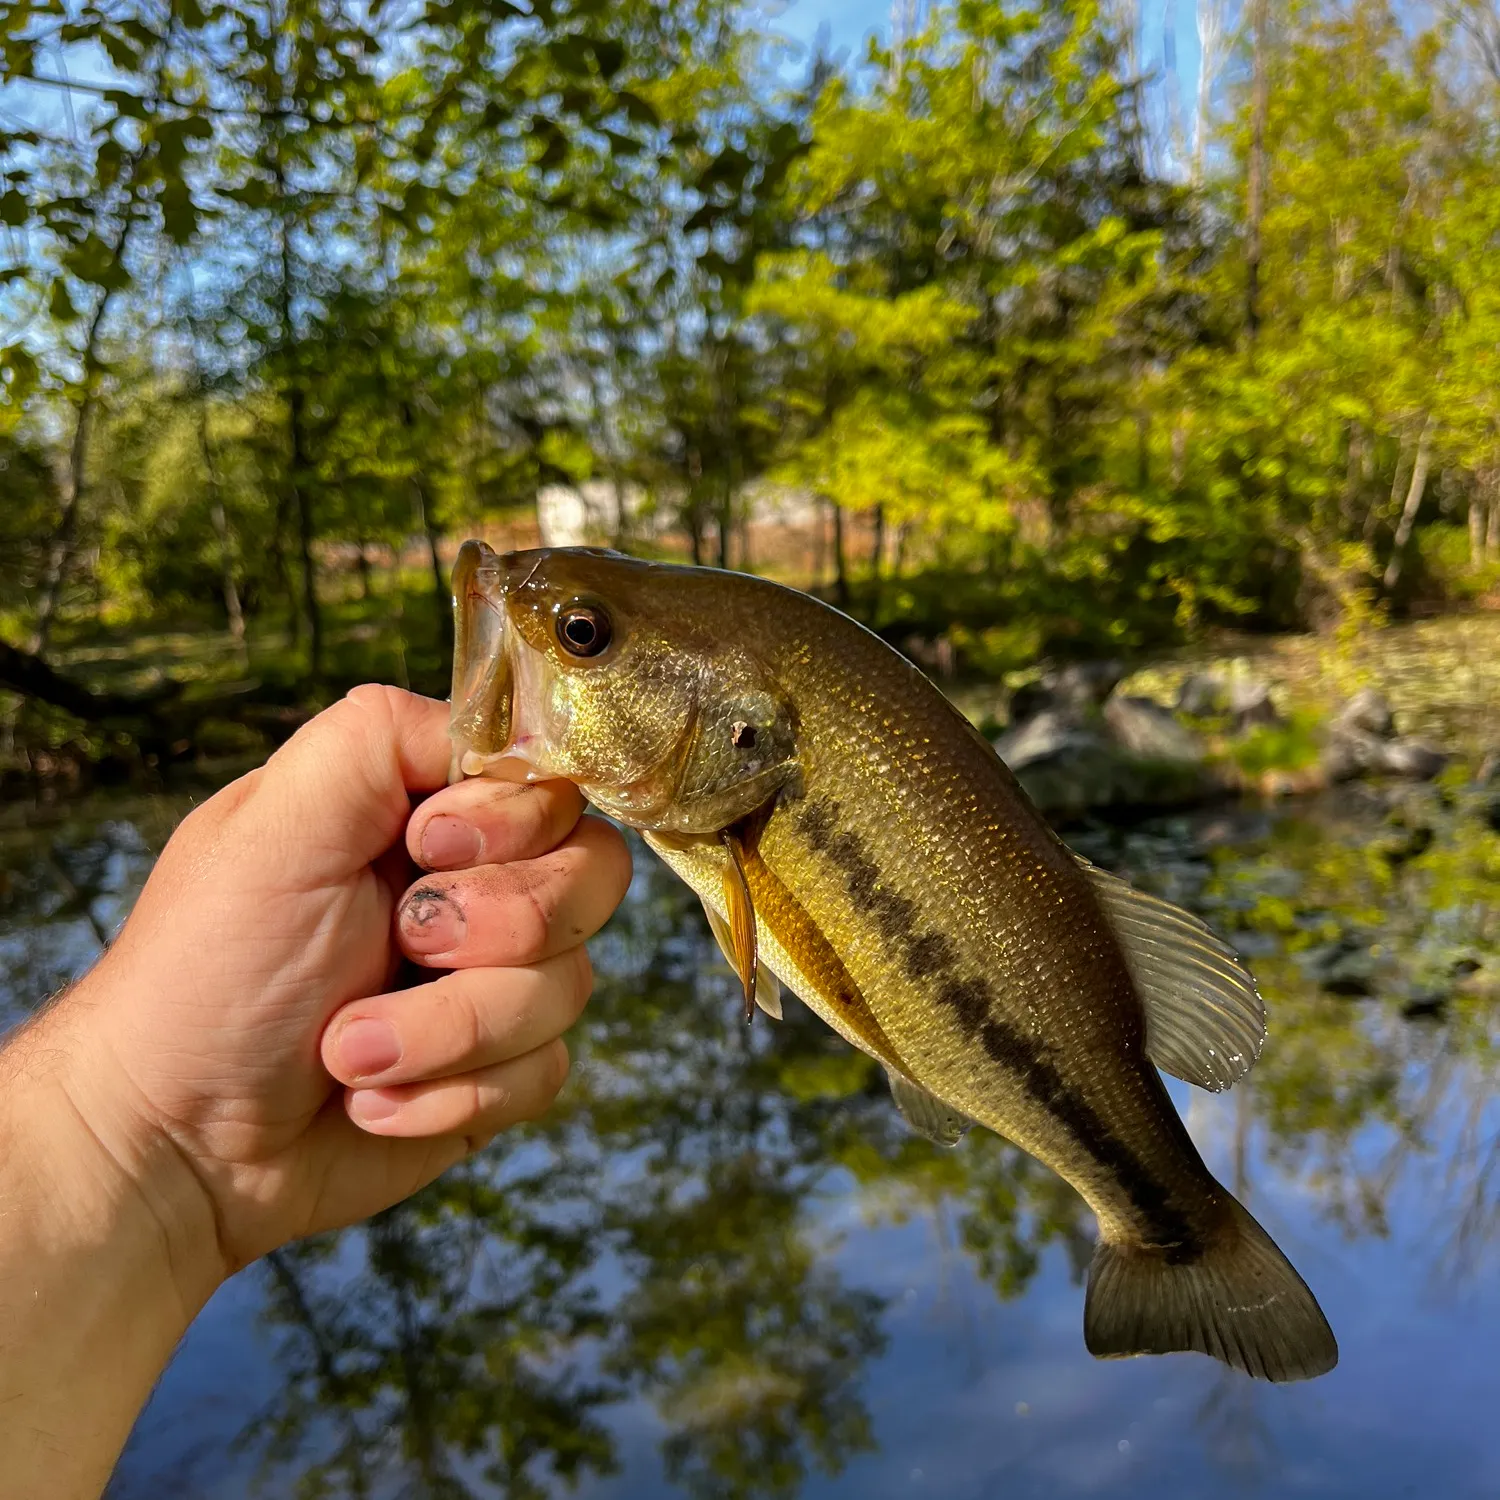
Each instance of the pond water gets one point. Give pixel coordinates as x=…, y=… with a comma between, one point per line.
x=723, y=1267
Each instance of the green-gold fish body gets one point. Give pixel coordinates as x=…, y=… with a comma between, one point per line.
x=847, y=829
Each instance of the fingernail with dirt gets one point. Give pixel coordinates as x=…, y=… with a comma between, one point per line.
x=431, y=923
x=448, y=842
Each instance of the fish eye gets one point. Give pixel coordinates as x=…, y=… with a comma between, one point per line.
x=583, y=629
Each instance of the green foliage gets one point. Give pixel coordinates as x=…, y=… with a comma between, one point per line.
x=1291, y=745
x=296, y=291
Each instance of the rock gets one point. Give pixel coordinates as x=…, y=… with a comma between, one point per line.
x=1349, y=753
x=1078, y=689
x=1145, y=728
x=1367, y=712
x=1085, y=684
x=1250, y=704
x=1356, y=752
x=1049, y=733
x=1410, y=757
x=1068, y=769
x=1202, y=695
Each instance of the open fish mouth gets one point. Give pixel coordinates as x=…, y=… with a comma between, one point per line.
x=480, y=706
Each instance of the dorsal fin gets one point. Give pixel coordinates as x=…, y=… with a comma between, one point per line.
x=1205, y=1019
x=926, y=1113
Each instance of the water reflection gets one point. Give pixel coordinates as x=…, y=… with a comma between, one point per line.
x=680, y=1279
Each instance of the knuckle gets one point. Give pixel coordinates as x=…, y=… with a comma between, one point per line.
x=560, y=1064
x=487, y=1099
x=470, y=1031
x=532, y=924
x=581, y=979
x=371, y=697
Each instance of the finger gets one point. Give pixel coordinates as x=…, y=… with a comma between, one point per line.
x=473, y=1104
x=491, y=822
x=500, y=916
x=337, y=794
x=470, y=1019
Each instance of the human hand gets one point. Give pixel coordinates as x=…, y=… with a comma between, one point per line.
x=238, y=1052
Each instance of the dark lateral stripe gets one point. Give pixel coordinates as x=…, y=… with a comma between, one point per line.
x=788, y=921
x=931, y=960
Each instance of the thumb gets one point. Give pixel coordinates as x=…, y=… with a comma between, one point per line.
x=341, y=786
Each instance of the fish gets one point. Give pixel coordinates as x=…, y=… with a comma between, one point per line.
x=851, y=835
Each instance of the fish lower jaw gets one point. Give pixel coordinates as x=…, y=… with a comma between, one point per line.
x=511, y=764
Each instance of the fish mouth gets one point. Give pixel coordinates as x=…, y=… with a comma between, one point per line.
x=497, y=678
x=479, y=716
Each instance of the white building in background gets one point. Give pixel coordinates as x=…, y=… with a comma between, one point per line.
x=586, y=515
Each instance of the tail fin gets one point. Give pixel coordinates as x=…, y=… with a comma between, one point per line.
x=1240, y=1301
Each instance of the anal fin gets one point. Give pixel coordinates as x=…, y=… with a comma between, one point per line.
x=926, y=1113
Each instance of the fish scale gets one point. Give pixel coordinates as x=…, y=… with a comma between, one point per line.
x=1028, y=930
x=849, y=830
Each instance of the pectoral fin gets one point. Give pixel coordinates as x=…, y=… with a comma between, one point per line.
x=926, y=1113
x=767, y=986
x=742, y=940
x=1205, y=1019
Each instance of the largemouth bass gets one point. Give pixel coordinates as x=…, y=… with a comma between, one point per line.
x=848, y=831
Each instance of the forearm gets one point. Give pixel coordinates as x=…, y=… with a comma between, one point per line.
x=103, y=1264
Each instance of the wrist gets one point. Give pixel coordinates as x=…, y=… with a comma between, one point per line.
x=105, y=1258
x=95, y=1179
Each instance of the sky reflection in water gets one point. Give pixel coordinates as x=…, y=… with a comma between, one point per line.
x=724, y=1267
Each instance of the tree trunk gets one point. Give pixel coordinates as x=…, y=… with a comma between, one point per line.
x=1255, y=200
x=840, y=561
x=877, y=544
x=1412, y=506
x=694, y=519
x=1492, y=532
x=283, y=571
x=1210, y=22
x=297, y=498
x=1476, y=533
x=362, y=567
x=60, y=550
x=726, y=527
x=440, y=591
x=302, y=505
x=233, y=610
x=1398, y=483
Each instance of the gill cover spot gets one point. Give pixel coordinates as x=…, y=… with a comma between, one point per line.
x=583, y=628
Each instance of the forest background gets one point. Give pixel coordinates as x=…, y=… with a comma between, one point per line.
x=1003, y=331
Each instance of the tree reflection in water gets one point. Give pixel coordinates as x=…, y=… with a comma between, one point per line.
x=664, y=1249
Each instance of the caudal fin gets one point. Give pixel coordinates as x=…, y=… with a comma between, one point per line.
x=1239, y=1301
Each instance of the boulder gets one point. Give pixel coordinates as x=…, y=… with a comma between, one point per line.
x=1412, y=758
x=1077, y=689
x=1145, y=728
x=1250, y=704
x=1367, y=712
x=1069, y=767
x=1352, y=752
x=1049, y=733
x=1202, y=695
